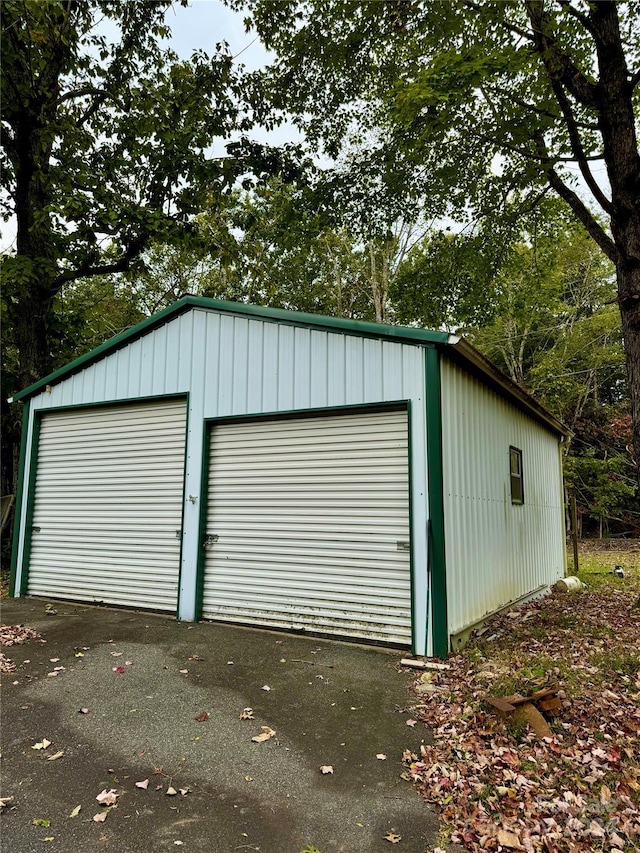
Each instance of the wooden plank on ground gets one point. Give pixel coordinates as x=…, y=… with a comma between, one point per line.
x=502, y=707
x=535, y=719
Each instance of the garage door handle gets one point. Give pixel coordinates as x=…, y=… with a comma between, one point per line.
x=210, y=539
x=36, y=529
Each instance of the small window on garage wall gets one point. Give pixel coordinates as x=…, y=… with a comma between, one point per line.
x=515, y=468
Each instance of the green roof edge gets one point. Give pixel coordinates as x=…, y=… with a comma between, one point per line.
x=317, y=321
x=456, y=348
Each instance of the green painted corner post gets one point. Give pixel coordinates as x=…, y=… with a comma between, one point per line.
x=17, y=510
x=437, y=559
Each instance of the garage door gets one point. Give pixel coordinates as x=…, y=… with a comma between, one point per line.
x=108, y=505
x=308, y=525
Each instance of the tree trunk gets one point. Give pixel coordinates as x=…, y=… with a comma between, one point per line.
x=629, y=301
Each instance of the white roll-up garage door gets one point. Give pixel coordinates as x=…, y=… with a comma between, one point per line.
x=108, y=505
x=308, y=525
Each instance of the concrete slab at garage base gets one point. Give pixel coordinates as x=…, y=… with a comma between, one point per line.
x=330, y=704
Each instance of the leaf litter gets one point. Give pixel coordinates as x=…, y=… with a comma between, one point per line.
x=497, y=785
x=14, y=635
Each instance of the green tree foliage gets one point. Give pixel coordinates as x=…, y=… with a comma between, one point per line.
x=464, y=106
x=106, y=147
x=555, y=329
x=274, y=245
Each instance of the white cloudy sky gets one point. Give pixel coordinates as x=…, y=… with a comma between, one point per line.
x=204, y=23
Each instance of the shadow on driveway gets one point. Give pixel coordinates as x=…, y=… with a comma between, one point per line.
x=329, y=703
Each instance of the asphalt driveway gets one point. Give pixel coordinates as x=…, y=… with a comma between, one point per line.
x=330, y=704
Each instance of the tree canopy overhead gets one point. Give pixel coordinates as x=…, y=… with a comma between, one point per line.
x=472, y=105
x=106, y=145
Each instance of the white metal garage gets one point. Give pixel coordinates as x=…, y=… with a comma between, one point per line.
x=107, y=513
x=352, y=478
x=308, y=524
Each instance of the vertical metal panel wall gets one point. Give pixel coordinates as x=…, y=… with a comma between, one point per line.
x=235, y=365
x=496, y=552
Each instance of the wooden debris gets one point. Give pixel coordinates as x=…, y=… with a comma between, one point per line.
x=528, y=707
x=423, y=664
x=536, y=721
x=503, y=707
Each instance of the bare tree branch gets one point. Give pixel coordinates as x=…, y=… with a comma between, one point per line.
x=86, y=270
x=586, y=23
x=576, y=204
x=578, y=150
x=559, y=66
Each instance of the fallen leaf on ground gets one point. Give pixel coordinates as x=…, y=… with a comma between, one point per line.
x=83, y=711
x=128, y=663
x=326, y=769
x=178, y=842
x=116, y=654
x=185, y=791
x=41, y=821
x=170, y=792
x=4, y=801
x=202, y=717
x=184, y=671
x=144, y=784
x=54, y=660
x=393, y=837
x=49, y=838
x=100, y=817
x=108, y=798
x=267, y=733
x=55, y=756
x=43, y=744
x=265, y=687
x=119, y=669
x=381, y=756
x=500, y=787
x=75, y=812
x=248, y=778
x=509, y=839
x=247, y=714
x=411, y=723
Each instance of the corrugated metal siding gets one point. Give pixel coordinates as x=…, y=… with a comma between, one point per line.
x=236, y=366
x=496, y=552
x=309, y=513
x=108, y=505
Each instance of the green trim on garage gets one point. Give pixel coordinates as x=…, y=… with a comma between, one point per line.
x=341, y=325
x=31, y=502
x=437, y=557
x=20, y=496
x=202, y=521
x=412, y=564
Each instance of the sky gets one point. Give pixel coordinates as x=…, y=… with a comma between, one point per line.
x=204, y=23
